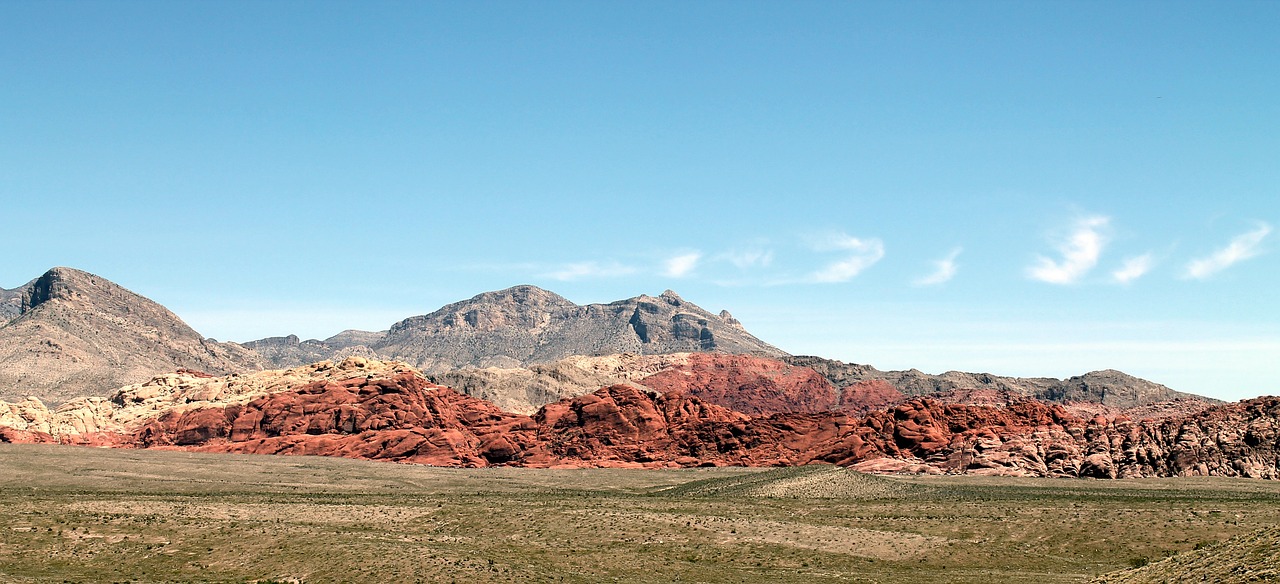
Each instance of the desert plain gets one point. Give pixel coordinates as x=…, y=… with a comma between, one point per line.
x=76, y=514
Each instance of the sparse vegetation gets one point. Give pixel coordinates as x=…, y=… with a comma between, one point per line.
x=91, y=515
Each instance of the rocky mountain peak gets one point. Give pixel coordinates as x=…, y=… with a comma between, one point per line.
x=729, y=319
x=63, y=284
x=1111, y=387
x=76, y=333
x=524, y=325
x=524, y=294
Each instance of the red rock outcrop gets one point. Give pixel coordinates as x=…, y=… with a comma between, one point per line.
x=402, y=418
x=869, y=395
x=387, y=411
x=623, y=425
x=751, y=385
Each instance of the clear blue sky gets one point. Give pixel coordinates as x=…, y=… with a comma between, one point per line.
x=1029, y=188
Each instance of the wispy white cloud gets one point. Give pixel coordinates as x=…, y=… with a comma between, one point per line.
x=1133, y=268
x=748, y=258
x=862, y=254
x=681, y=265
x=944, y=270
x=1080, y=252
x=1242, y=247
x=585, y=270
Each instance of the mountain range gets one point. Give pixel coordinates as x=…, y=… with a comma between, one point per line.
x=70, y=333
x=523, y=376
x=525, y=325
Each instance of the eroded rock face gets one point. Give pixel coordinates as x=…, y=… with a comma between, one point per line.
x=623, y=425
x=1032, y=438
x=751, y=385
x=400, y=418
x=869, y=395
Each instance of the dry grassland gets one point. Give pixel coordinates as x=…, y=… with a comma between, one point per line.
x=91, y=515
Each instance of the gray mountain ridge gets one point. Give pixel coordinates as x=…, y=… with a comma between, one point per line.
x=70, y=333
x=525, y=325
x=11, y=303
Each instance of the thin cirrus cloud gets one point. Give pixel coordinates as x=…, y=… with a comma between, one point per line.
x=861, y=254
x=1080, y=251
x=1133, y=268
x=589, y=270
x=681, y=265
x=1242, y=247
x=944, y=270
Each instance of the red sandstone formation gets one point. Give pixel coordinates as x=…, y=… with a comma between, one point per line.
x=762, y=386
x=194, y=373
x=402, y=418
x=621, y=425
x=869, y=395
x=387, y=411
x=751, y=385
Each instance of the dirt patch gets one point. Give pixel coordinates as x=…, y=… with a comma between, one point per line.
x=806, y=482
x=293, y=513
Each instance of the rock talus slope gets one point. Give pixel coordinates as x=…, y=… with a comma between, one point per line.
x=79, y=334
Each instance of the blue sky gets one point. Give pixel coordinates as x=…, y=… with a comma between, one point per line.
x=1028, y=188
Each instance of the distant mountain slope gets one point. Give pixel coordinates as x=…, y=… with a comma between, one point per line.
x=290, y=351
x=760, y=385
x=1108, y=387
x=526, y=324
x=79, y=334
x=11, y=303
